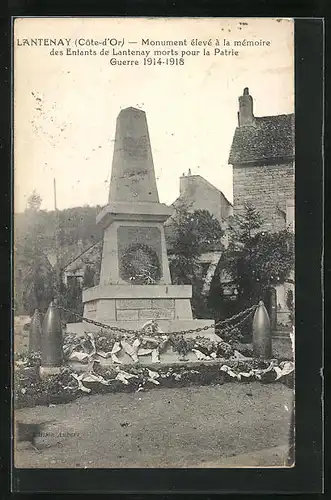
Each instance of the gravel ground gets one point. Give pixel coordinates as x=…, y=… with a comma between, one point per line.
x=234, y=424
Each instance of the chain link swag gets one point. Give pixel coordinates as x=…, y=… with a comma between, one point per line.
x=242, y=314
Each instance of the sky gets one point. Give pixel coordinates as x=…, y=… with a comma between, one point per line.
x=65, y=107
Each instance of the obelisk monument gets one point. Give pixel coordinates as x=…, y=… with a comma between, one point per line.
x=135, y=282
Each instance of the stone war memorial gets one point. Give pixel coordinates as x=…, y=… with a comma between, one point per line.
x=135, y=289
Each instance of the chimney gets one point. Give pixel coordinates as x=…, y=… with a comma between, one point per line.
x=188, y=185
x=245, y=114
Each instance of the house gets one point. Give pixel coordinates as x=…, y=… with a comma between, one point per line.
x=262, y=156
x=198, y=194
x=88, y=258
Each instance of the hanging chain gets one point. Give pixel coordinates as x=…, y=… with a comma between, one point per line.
x=244, y=314
x=249, y=313
x=249, y=310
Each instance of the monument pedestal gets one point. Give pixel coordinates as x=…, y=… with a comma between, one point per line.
x=131, y=306
x=137, y=302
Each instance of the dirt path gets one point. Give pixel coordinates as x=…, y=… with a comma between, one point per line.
x=184, y=427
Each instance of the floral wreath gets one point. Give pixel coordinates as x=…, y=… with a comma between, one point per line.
x=140, y=265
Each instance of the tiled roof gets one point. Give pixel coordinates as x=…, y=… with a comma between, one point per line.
x=269, y=138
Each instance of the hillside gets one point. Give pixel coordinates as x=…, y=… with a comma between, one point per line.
x=76, y=228
x=35, y=234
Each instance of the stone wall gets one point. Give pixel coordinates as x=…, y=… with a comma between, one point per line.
x=269, y=188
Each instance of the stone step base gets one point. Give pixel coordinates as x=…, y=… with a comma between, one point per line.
x=166, y=357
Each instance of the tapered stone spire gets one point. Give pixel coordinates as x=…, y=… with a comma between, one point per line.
x=133, y=176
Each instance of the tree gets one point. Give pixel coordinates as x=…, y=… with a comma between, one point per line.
x=39, y=287
x=34, y=201
x=257, y=259
x=71, y=299
x=191, y=234
x=33, y=273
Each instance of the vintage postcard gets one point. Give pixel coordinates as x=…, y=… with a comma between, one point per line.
x=154, y=242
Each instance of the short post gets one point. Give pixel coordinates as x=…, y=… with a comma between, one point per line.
x=262, y=332
x=35, y=333
x=51, y=342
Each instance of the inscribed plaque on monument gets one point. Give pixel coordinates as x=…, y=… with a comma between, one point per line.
x=154, y=220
